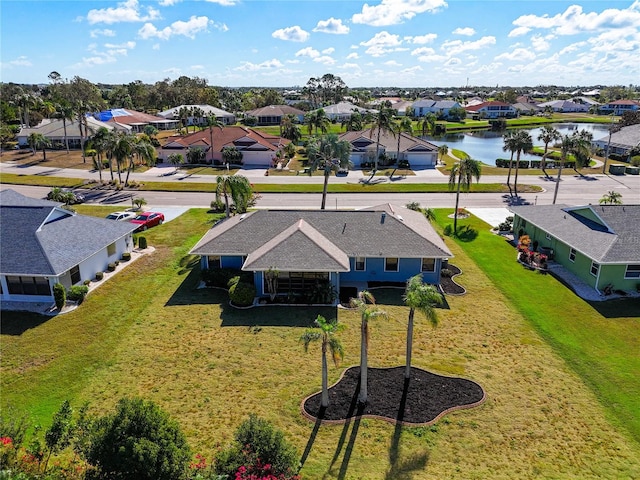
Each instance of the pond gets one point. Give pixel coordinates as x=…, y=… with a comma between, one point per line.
x=486, y=145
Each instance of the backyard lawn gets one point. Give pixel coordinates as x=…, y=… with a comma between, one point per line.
x=529, y=343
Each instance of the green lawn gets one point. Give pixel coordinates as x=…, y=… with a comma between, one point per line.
x=149, y=331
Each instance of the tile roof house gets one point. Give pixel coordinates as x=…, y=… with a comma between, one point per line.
x=258, y=148
x=54, y=130
x=344, y=247
x=600, y=244
x=273, y=114
x=222, y=116
x=418, y=152
x=43, y=244
x=492, y=109
x=622, y=141
x=135, y=120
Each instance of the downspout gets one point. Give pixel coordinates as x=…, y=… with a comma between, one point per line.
x=598, y=279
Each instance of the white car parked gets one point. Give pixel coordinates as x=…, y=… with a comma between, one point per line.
x=121, y=216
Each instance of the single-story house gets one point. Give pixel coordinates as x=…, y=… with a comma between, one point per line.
x=258, y=148
x=600, y=244
x=54, y=131
x=341, y=111
x=527, y=108
x=347, y=248
x=621, y=142
x=223, y=117
x=44, y=244
x=440, y=108
x=136, y=120
x=419, y=153
x=564, y=106
x=492, y=109
x=273, y=114
x=620, y=106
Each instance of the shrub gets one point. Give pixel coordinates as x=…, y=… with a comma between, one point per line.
x=86, y=282
x=99, y=275
x=257, y=444
x=219, y=277
x=111, y=267
x=59, y=295
x=242, y=294
x=448, y=230
x=126, y=256
x=138, y=441
x=635, y=161
x=77, y=293
x=233, y=280
x=142, y=242
x=446, y=273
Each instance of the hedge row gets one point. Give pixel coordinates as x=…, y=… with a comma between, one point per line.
x=504, y=163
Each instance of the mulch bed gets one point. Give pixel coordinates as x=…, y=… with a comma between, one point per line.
x=424, y=399
x=449, y=286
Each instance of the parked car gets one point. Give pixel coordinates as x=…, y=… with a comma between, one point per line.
x=121, y=216
x=65, y=195
x=148, y=220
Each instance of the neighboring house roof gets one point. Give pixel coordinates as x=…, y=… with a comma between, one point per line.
x=362, y=139
x=129, y=117
x=344, y=108
x=207, y=109
x=563, y=105
x=55, y=128
x=242, y=138
x=604, y=233
x=483, y=105
x=40, y=238
x=625, y=102
x=626, y=137
x=322, y=240
x=275, y=111
x=526, y=107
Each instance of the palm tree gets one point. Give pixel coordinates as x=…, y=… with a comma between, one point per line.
x=611, y=198
x=404, y=126
x=289, y=129
x=548, y=134
x=523, y=143
x=328, y=154
x=212, y=121
x=422, y=297
x=442, y=151
x=321, y=121
x=100, y=144
x=238, y=187
x=565, y=147
x=144, y=150
x=427, y=124
x=324, y=332
x=383, y=122
x=581, y=149
x=38, y=141
x=354, y=123
x=64, y=111
x=122, y=150
x=510, y=145
x=366, y=305
x=462, y=174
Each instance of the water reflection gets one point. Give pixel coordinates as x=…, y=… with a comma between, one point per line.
x=486, y=145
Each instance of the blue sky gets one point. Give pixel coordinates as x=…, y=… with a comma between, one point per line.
x=405, y=43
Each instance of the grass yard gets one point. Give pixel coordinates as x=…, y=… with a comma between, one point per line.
x=148, y=331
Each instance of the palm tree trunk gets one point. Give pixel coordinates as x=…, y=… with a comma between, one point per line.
x=364, y=331
x=324, y=189
x=543, y=162
x=109, y=157
x=64, y=127
x=44, y=154
x=555, y=192
x=515, y=180
x=455, y=213
x=126, y=179
x=407, y=368
x=509, y=175
x=325, y=381
x=100, y=167
x=226, y=202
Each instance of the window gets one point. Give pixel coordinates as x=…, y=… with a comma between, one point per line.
x=75, y=274
x=360, y=264
x=594, y=268
x=547, y=236
x=633, y=271
x=572, y=255
x=28, y=285
x=111, y=249
x=428, y=264
x=391, y=264
x=213, y=261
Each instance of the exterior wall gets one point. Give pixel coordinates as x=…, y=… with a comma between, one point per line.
x=374, y=271
x=99, y=261
x=614, y=275
x=257, y=159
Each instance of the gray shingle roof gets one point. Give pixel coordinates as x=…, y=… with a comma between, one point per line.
x=385, y=231
x=604, y=233
x=38, y=238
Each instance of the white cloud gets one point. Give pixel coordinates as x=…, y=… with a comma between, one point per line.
x=104, y=33
x=350, y=66
x=466, y=31
x=173, y=71
x=455, y=47
x=518, y=54
x=452, y=62
x=392, y=63
x=128, y=11
x=574, y=20
x=423, y=51
x=188, y=29
x=332, y=25
x=21, y=61
x=328, y=51
x=572, y=48
x=156, y=46
x=308, y=52
x=224, y=3
x=325, y=60
x=353, y=56
x=168, y=3
x=253, y=67
x=422, y=39
x=411, y=70
x=540, y=43
x=393, y=12
x=110, y=55
x=292, y=34
x=382, y=43
x=126, y=45
x=197, y=67
x=517, y=32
